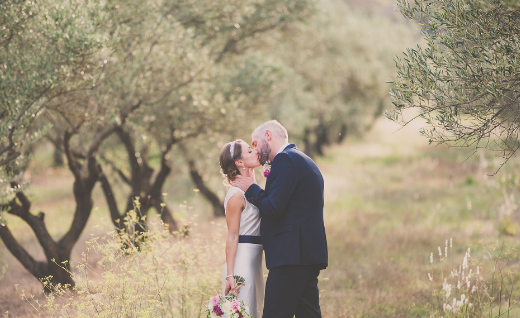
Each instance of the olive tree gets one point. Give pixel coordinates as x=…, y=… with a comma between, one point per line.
x=465, y=81
x=46, y=53
x=335, y=65
x=206, y=82
x=44, y=50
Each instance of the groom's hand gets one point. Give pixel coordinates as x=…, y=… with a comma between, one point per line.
x=244, y=183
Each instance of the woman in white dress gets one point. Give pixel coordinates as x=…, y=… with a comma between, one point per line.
x=244, y=251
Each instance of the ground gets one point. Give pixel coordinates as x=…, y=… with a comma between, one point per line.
x=391, y=200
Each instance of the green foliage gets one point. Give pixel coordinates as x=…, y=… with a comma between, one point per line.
x=465, y=81
x=335, y=66
x=44, y=50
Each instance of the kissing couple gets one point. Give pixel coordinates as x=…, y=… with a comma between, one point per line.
x=285, y=220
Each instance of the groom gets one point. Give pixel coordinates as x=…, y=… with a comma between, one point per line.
x=292, y=229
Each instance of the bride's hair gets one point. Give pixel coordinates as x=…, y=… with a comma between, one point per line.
x=228, y=167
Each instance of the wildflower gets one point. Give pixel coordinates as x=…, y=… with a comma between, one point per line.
x=431, y=258
x=440, y=252
x=478, y=270
x=447, y=288
x=430, y=277
x=451, y=242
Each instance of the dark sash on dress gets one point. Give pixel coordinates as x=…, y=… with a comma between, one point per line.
x=250, y=239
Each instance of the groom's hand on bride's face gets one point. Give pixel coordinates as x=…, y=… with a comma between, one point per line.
x=243, y=183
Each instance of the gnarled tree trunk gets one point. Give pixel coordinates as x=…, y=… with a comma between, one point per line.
x=140, y=182
x=56, y=266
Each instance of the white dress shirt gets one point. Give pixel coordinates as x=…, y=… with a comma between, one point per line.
x=282, y=148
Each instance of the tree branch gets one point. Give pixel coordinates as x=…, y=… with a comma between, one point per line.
x=111, y=200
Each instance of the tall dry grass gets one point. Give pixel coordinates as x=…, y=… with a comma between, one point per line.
x=150, y=274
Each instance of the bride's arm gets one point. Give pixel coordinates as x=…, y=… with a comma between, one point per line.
x=234, y=208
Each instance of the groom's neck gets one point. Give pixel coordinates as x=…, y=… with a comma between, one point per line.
x=275, y=146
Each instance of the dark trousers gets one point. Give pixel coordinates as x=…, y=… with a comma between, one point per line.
x=292, y=290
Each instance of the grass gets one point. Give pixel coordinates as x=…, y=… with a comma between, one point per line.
x=391, y=200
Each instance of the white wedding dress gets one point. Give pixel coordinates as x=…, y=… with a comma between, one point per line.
x=248, y=261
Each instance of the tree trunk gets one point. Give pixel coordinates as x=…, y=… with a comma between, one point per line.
x=150, y=194
x=56, y=268
x=218, y=206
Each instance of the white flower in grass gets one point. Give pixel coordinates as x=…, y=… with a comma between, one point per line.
x=447, y=288
x=473, y=289
x=440, y=252
x=458, y=284
x=431, y=258
x=478, y=270
x=451, y=242
x=430, y=277
x=465, y=261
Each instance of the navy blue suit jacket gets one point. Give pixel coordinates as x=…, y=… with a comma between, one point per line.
x=293, y=232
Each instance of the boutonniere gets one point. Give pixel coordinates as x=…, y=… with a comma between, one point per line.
x=267, y=169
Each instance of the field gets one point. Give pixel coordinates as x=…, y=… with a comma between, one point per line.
x=391, y=200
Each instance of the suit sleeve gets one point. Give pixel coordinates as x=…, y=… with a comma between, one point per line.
x=283, y=184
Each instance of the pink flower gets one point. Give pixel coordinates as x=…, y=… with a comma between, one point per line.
x=266, y=172
x=235, y=305
x=218, y=311
x=216, y=299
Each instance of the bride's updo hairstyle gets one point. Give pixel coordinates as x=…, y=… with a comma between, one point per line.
x=227, y=160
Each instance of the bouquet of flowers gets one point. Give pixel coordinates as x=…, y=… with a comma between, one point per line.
x=228, y=306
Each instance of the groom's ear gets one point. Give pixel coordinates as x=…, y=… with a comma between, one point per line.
x=268, y=135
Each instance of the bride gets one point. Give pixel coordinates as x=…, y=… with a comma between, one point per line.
x=244, y=251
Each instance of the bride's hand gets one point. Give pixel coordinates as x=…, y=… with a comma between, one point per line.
x=230, y=286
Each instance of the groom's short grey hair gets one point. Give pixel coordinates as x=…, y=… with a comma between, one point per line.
x=274, y=127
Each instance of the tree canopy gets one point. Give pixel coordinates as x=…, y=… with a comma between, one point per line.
x=465, y=81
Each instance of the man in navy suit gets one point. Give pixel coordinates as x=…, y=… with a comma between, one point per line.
x=292, y=228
